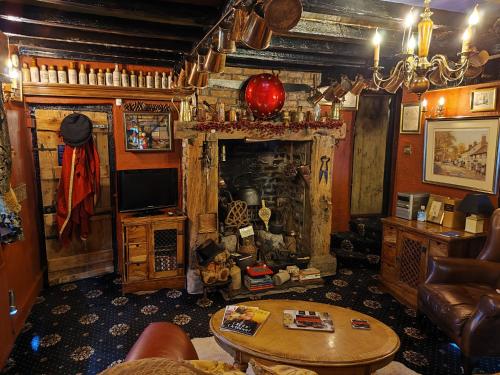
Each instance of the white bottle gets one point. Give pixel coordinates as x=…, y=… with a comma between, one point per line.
x=52, y=74
x=116, y=76
x=61, y=75
x=82, y=76
x=92, y=77
x=26, y=73
x=141, y=82
x=157, y=80
x=44, y=74
x=149, y=81
x=125, y=78
x=164, y=81
x=109, y=77
x=101, y=80
x=133, y=79
x=421, y=214
x=169, y=81
x=72, y=74
x=34, y=72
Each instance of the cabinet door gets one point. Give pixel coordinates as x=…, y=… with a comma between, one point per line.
x=166, y=258
x=411, y=259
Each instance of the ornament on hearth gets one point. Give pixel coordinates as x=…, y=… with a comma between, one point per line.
x=265, y=95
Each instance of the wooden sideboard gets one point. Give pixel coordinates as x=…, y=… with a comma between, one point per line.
x=153, y=252
x=406, y=246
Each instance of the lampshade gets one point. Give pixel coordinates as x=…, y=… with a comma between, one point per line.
x=478, y=204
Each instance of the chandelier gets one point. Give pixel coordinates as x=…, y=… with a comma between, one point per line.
x=416, y=71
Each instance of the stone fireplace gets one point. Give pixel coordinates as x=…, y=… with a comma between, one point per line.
x=300, y=202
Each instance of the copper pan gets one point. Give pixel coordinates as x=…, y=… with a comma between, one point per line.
x=282, y=15
x=256, y=33
x=197, y=78
x=359, y=85
x=181, y=79
x=239, y=21
x=225, y=42
x=328, y=94
x=215, y=61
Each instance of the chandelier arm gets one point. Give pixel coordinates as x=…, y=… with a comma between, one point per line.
x=379, y=79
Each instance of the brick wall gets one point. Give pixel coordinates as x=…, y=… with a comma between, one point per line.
x=230, y=97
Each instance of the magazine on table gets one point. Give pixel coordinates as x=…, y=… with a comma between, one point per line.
x=243, y=319
x=309, y=320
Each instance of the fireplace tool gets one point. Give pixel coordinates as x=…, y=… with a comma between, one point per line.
x=265, y=214
x=207, y=221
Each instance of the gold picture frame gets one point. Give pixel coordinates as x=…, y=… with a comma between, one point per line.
x=410, y=118
x=435, y=209
x=482, y=100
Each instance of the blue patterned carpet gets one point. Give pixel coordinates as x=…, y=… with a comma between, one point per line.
x=86, y=326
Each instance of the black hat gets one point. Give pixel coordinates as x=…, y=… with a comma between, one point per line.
x=76, y=129
x=207, y=251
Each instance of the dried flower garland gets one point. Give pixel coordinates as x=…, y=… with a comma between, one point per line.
x=266, y=127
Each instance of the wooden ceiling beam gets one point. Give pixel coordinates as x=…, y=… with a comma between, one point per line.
x=149, y=11
x=84, y=22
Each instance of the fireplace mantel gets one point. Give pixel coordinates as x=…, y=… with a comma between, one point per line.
x=186, y=130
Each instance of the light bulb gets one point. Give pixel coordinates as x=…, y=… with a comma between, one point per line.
x=424, y=104
x=409, y=19
x=474, y=17
x=441, y=101
x=466, y=35
x=377, y=38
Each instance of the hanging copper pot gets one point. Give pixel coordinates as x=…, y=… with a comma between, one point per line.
x=239, y=21
x=197, y=78
x=329, y=92
x=282, y=15
x=215, y=61
x=225, y=42
x=181, y=79
x=201, y=57
x=256, y=33
x=359, y=85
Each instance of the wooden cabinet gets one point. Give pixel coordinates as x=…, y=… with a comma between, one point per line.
x=406, y=247
x=153, y=252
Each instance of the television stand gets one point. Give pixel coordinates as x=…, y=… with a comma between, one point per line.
x=152, y=212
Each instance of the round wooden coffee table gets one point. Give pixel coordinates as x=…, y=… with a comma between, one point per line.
x=346, y=351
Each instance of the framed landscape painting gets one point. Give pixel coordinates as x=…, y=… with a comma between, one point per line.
x=462, y=153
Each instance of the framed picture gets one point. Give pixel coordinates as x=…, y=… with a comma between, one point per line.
x=148, y=131
x=350, y=102
x=435, y=209
x=462, y=153
x=410, y=119
x=483, y=99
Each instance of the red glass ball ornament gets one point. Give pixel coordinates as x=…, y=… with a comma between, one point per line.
x=265, y=95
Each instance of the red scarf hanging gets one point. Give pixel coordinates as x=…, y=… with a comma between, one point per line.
x=77, y=191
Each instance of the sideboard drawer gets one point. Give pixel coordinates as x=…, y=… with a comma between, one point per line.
x=390, y=234
x=136, y=233
x=137, y=271
x=438, y=248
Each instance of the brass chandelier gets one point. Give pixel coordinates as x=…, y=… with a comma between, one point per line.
x=416, y=71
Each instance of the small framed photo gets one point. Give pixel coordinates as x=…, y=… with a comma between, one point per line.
x=435, y=209
x=350, y=102
x=483, y=99
x=146, y=131
x=410, y=118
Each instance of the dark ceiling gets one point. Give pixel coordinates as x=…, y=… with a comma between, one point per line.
x=332, y=36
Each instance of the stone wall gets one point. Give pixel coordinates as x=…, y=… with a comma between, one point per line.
x=230, y=97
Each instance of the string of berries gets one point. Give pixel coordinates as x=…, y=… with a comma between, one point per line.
x=266, y=127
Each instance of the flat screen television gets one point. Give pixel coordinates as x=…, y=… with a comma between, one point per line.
x=147, y=189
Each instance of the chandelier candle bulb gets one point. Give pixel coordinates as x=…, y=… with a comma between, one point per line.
x=424, y=105
x=410, y=48
x=376, y=53
x=466, y=40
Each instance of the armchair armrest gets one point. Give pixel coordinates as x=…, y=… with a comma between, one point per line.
x=444, y=270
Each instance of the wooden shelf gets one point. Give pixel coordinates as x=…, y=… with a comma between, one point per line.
x=87, y=91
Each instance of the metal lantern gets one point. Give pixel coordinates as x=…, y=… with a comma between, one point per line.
x=265, y=95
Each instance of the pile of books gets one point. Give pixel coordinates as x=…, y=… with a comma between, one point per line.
x=309, y=274
x=255, y=284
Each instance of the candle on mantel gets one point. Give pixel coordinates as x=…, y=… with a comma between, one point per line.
x=376, y=53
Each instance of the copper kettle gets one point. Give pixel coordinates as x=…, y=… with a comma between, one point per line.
x=256, y=33
x=239, y=20
x=225, y=41
x=215, y=61
x=197, y=78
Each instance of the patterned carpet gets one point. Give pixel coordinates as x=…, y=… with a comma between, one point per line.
x=86, y=326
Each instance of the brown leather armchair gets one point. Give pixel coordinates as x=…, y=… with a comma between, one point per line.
x=460, y=296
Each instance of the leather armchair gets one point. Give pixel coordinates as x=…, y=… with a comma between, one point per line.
x=460, y=296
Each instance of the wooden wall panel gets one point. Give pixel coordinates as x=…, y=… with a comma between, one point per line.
x=409, y=168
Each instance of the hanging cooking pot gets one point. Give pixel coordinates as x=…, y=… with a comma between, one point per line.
x=225, y=42
x=282, y=15
x=181, y=80
x=239, y=21
x=201, y=57
x=256, y=33
x=215, y=61
x=197, y=78
x=246, y=192
x=329, y=92
x=359, y=85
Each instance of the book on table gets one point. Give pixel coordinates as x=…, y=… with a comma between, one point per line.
x=308, y=320
x=243, y=319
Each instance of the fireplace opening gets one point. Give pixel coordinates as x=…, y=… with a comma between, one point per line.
x=275, y=173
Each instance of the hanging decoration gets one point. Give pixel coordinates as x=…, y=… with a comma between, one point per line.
x=265, y=95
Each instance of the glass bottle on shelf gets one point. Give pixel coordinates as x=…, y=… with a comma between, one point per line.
x=34, y=72
x=72, y=74
x=149, y=81
x=101, y=79
x=82, y=76
x=26, y=73
x=133, y=79
x=140, y=80
x=109, y=77
x=92, y=77
x=157, y=80
x=62, y=77
x=116, y=76
x=421, y=214
x=44, y=74
x=220, y=111
x=169, y=80
x=52, y=74
x=125, y=80
x=164, y=81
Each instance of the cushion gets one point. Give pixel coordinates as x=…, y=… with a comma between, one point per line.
x=215, y=367
x=153, y=366
x=261, y=369
x=452, y=304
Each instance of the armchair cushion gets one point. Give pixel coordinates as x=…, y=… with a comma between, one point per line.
x=451, y=305
x=443, y=270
